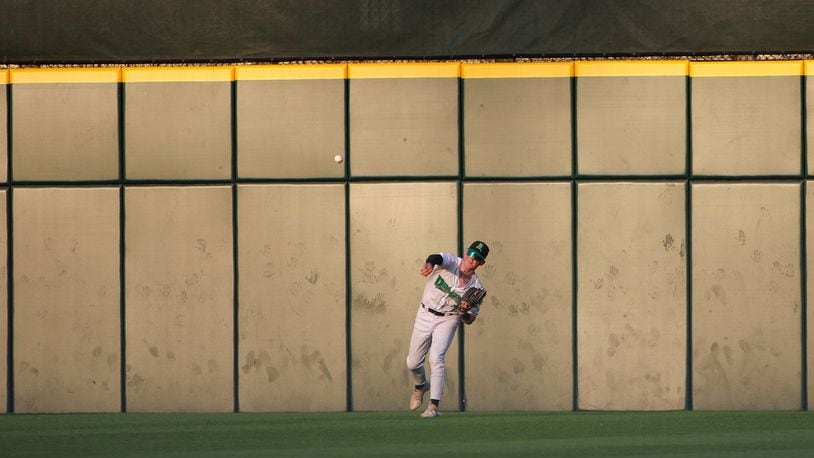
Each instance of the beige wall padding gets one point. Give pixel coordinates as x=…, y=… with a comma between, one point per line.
x=65, y=131
x=66, y=300
x=404, y=127
x=810, y=290
x=179, y=293
x=3, y=133
x=3, y=303
x=393, y=228
x=178, y=130
x=291, y=128
x=518, y=352
x=632, y=309
x=746, y=321
x=517, y=126
x=809, y=104
x=328, y=254
x=632, y=125
x=746, y=125
x=292, y=297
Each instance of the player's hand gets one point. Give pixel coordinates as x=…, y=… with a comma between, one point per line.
x=464, y=307
x=467, y=317
x=426, y=269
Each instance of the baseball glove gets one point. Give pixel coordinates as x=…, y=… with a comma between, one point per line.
x=473, y=296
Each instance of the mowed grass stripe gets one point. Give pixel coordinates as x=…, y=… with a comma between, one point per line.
x=405, y=434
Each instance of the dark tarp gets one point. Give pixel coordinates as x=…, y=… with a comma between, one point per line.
x=86, y=31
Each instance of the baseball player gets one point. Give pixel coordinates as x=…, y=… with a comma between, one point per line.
x=452, y=294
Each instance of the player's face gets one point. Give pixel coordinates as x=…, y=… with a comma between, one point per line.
x=469, y=264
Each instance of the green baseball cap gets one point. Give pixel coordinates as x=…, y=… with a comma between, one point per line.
x=478, y=250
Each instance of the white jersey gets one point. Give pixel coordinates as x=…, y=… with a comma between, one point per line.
x=442, y=292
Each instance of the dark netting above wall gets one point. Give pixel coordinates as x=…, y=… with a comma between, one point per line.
x=82, y=31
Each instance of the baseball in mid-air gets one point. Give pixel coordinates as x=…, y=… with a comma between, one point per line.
x=338, y=158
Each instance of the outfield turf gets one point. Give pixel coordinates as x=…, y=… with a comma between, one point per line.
x=405, y=434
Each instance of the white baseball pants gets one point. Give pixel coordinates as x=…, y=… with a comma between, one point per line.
x=431, y=334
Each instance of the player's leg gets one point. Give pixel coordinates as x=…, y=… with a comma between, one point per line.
x=419, y=346
x=442, y=337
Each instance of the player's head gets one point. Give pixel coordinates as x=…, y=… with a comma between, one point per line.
x=474, y=257
x=478, y=250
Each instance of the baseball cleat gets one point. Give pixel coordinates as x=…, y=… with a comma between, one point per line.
x=432, y=411
x=418, y=397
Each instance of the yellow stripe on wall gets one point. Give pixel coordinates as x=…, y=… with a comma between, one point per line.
x=65, y=75
x=809, y=67
x=177, y=74
x=409, y=70
x=291, y=72
x=3, y=76
x=632, y=68
x=762, y=68
x=518, y=70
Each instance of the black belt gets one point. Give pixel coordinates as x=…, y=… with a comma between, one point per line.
x=436, y=312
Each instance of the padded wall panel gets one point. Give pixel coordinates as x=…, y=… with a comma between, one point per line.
x=810, y=291
x=517, y=119
x=178, y=123
x=631, y=308
x=3, y=303
x=292, y=298
x=291, y=121
x=3, y=125
x=394, y=227
x=67, y=345
x=518, y=352
x=746, y=118
x=746, y=319
x=65, y=124
x=403, y=119
x=179, y=292
x=631, y=117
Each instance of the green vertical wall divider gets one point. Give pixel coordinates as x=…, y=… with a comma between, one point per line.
x=804, y=84
x=348, y=278
x=122, y=252
x=460, y=243
x=574, y=249
x=9, y=357
x=236, y=251
x=688, y=235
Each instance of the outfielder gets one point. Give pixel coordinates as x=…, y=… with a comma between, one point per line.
x=453, y=294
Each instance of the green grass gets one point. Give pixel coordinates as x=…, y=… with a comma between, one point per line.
x=681, y=433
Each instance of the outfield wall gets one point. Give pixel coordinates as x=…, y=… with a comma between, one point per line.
x=181, y=238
